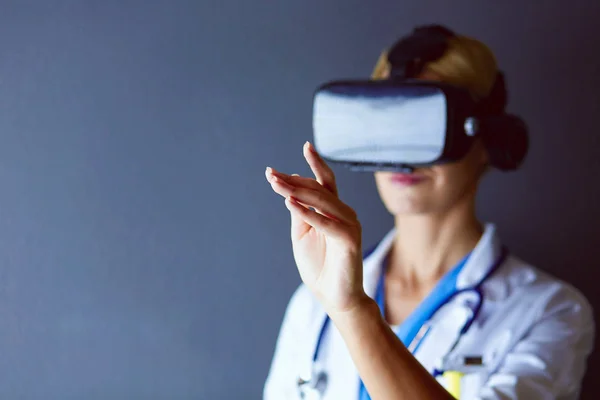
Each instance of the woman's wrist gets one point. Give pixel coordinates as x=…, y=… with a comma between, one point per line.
x=362, y=310
x=385, y=365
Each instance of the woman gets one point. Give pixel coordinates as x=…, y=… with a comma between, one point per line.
x=390, y=336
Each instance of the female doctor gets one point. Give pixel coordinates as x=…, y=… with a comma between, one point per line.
x=439, y=309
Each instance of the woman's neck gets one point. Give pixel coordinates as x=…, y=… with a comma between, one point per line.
x=427, y=246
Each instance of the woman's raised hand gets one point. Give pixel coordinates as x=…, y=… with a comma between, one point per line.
x=326, y=234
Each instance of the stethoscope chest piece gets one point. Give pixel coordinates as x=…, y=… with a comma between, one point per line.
x=313, y=388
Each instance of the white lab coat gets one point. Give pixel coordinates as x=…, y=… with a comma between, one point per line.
x=534, y=331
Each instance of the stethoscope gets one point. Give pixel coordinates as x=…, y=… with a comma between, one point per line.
x=314, y=386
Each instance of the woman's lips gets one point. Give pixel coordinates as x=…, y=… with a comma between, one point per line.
x=407, y=179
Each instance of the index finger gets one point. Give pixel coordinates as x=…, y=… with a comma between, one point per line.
x=319, y=167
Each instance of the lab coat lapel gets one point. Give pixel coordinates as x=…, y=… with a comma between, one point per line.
x=443, y=332
x=343, y=379
x=447, y=323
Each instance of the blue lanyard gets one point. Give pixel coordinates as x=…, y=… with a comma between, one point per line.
x=443, y=291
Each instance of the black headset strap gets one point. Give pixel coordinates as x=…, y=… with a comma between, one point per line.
x=409, y=54
x=428, y=43
x=495, y=102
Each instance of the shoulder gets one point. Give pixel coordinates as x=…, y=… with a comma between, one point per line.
x=552, y=332
x=551, y=294
x=539, y=306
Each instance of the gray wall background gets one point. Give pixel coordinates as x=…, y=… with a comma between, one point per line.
x=142, y=253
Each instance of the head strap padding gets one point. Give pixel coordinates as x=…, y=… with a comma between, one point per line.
x=410, y=54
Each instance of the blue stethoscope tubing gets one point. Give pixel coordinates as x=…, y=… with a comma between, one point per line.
x=477, y=289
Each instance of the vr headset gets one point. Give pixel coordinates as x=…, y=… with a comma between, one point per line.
x=402, y=123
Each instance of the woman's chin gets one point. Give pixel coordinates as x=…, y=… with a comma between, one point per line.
x=400, y=209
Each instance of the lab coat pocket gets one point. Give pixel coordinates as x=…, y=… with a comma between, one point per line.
x=471, y=385
x=497, y=349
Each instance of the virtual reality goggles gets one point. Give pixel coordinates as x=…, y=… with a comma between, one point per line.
x=402, y=123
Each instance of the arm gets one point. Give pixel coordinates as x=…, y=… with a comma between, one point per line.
x=326, y=241
x=385, y=365
x=550, y=361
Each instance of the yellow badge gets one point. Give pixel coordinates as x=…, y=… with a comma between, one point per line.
x=452, y=380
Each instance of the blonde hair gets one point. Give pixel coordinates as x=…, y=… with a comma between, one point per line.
x=467, y=63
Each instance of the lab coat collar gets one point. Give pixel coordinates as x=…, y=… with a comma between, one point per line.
x=482, y=258
x=372, y=263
